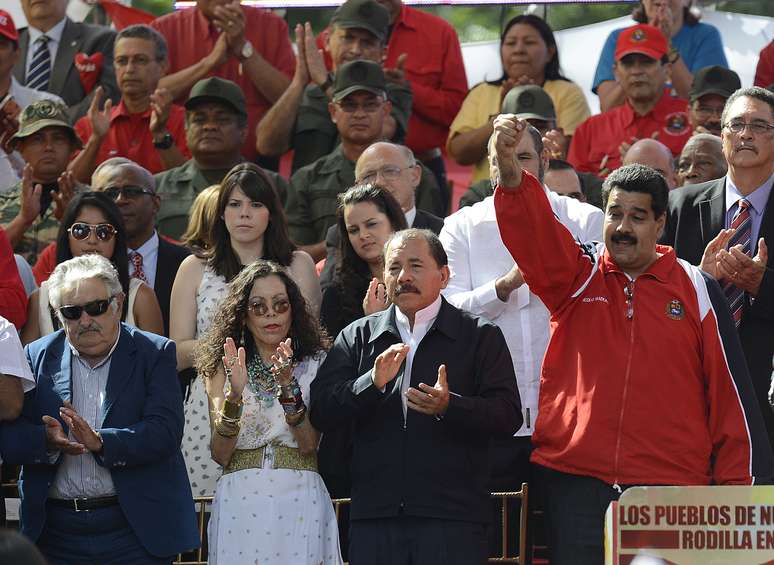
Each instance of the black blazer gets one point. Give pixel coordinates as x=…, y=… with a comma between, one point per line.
x=169, y=259
x=65, y=81
x=421, y=466
x=423, y=220
x=695, y=215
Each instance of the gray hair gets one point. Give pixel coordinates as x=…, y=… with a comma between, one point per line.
x=123, y=163
x=755, y=92
x=89, y=266
x=142, y=31
x=433, y=242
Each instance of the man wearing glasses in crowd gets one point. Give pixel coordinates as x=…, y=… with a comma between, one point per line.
x=145, y=126
x=104, y=424
x=733, y=218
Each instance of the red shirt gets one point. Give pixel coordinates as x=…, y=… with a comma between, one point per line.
x=764, y=72
x=45, y=264
x=191, y=37
x=13, y=299
x=602, y=135
x=435, y=70
x=129, y=136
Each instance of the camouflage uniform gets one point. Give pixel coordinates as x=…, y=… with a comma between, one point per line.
x=39, y=235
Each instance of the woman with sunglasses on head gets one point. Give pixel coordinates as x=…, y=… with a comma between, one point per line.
x=92, y=224
x=250, y=224
x=258, y=359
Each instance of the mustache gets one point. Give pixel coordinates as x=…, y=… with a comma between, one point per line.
x=743, y=145
x=406, y=288
x=623, y=238
x=92, y=327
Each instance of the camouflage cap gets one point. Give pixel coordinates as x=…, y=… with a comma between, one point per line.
x=359, y=75
x=714, y=80
x=43, y=114
x=215, y=89
x=363, y=14
x=529, y=102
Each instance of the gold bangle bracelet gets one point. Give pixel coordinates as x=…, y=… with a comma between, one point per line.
x=232, y=410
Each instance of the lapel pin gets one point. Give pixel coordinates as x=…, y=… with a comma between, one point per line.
x=73, y=43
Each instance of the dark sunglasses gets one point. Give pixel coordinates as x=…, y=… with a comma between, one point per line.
x=93, y=308
x=128, y=192
x=81, y=230
x=261, y=308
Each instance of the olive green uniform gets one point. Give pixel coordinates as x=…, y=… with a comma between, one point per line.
x=315, y=135
x=179, y=187
x=312, y=196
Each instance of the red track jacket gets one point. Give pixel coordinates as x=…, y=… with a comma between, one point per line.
x=649, y=390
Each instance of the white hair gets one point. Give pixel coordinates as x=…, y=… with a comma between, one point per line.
x=90, y=266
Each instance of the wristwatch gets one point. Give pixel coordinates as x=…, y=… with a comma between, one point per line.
x=247, y=51
x=165, y=143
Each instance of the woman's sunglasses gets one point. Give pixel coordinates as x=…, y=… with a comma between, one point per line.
x=93, y=308
x=81, y=231
x=261, y=308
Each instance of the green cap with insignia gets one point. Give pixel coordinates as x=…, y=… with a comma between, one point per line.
x=529, y=102
x=43, y=114
x=363, y=14
x=215, y=89
x=359, y=75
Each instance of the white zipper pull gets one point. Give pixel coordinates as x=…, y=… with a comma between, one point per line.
x=617, y=488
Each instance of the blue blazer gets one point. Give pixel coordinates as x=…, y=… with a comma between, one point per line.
x=141, y=431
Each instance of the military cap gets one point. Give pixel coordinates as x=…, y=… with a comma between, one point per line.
x=43, y=114
x=363, y=14
x=714, y=80
x=529, y=102
x=215, y=89
x=359, y=75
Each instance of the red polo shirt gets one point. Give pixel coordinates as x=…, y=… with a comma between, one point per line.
x=435, y=70
x=602, y=135
x=129, y=136
x=191, y=37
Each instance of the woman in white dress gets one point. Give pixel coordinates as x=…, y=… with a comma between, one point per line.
x=250, y=225
x=270, y=506
x=92, y=223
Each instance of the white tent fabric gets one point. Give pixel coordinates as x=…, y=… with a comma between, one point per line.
x=743, y=38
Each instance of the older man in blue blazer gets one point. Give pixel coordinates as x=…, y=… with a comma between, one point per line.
x=103, y=479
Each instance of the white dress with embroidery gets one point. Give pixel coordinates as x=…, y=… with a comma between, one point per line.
x=203, y=472
x=273, y=515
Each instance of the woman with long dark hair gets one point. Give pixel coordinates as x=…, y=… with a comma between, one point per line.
x=250, y=224
x=366, y=217
x=529, y=55
x=258, y=359
x=92, y=223
x=695, y=45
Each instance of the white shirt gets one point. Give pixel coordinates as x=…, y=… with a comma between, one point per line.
x=478, y=257
x=54, y=39
x=412, y=337
x=411, y=215
x=13, y=361
x=11, y=165
x=150, y=256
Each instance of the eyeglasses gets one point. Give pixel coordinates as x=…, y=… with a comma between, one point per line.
x=758, y=128
x=351, y=107
x=128, y=192
x=707, y=111
x=81, y=231
x=93, y=308
x=388, y=172
x=261, y=308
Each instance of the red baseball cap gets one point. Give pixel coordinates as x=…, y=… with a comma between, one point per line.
x=644, y=39
x=7, y=27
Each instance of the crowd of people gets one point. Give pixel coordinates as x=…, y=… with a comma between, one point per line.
x=180, y=320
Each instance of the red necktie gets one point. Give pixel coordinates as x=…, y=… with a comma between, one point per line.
x=742, y=223
x=138, y=273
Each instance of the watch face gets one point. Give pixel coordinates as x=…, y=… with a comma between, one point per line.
x=247, y=50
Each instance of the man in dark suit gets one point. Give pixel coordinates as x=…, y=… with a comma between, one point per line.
x=48, y=50
x=700, y=217
x=103, y=478
x=395, y=168
x=152, y=258
x=419, y=472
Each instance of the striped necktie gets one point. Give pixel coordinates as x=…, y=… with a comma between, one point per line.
x=40, y=68
x=742, y=223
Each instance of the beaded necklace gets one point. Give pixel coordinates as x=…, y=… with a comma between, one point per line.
x=261, y=380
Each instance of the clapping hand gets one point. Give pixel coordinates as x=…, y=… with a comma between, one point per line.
x=397, y=74
x=387, y=364
x=744, y=271
x=430, y=400
x=99, y=119
x=161, y=104
x=56, y=440
x=283, y=363
x=376, y=297
x=80, y=428
x=235, y=368
x=62, y=197
x=30, y=196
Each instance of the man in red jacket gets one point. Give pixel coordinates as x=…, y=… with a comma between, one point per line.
x=661, y=395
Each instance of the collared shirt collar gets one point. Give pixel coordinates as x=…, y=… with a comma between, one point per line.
x=54, y=34
x=102, y=361
x=334, y=159
x=405, y=18
x=121, y=110
x=757, y=198
x=411, y=216
x=658, y=111
x=660, y=268
x=151, y=244
x=426, y=315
